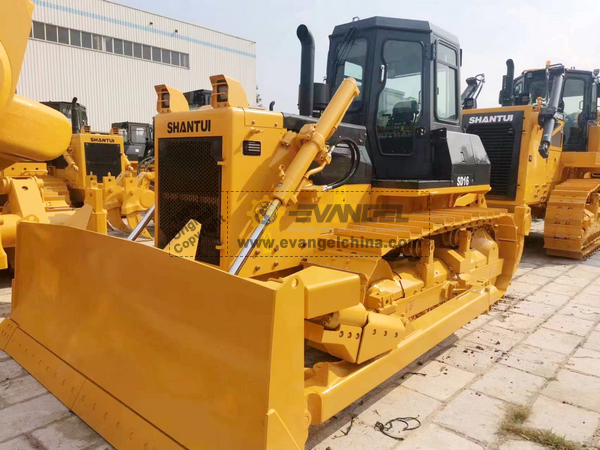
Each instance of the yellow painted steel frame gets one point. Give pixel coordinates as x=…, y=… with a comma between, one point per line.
x=28, y=130
x=563, y=189
x=195, y=352
x=23, y=185
x=123, y=194
x=182, y=378
x=247, y=181
x=536, y=175
x=149, y=374
x=76, y=173
x=331, y=386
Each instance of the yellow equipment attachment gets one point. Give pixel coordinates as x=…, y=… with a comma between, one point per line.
x=28, y=130
x=209, y=351
x=545, y=153
x=29, y=133
x=92, y=157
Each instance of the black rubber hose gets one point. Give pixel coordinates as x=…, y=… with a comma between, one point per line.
x=354, y=163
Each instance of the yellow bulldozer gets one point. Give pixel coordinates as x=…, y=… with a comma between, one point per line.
x=98, y=161
x=544, y=146
x=368, y=239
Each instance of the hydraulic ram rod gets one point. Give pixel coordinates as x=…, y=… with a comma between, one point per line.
x=547, y=115
x=142, y=224
x=296, y=173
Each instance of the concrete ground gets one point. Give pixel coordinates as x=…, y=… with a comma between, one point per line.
x=540, y=346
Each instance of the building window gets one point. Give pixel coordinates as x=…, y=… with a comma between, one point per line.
x=86, y=39
x=51, y=33
x=76, y=38
x=108, y=45
x=147, y=52
x=156, y=54
x=97, y=42
x=63, y=35
x=118, y=46
x=38, y=30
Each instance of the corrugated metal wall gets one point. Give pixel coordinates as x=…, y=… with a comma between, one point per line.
x=118, y=88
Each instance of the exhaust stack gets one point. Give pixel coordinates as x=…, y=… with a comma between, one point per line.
x=74, y=116
x=307, y=71
x=508, y=80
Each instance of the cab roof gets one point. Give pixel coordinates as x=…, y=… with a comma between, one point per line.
x=422, y=26
x=574, y=71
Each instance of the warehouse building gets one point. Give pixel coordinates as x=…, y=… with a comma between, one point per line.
x=111, y=56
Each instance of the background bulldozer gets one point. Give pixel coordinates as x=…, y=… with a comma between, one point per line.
x=371, y=240
x=98, y=161
x=544, y=146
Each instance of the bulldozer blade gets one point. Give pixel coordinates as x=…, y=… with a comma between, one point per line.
x=133, y=220
x=191, y=358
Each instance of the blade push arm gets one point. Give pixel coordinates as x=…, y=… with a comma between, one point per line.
x=314, y=148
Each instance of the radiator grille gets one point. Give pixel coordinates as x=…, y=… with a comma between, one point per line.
x=189, y=187
x=100, y=159
x=499, y=141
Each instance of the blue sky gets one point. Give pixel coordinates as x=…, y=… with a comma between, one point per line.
x=530, y=32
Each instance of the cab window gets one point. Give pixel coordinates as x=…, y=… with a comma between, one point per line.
x=138, y=135
x=399, y=104
x=572, y=107
x=518, y=88
x=351, y=60
x=446, y=103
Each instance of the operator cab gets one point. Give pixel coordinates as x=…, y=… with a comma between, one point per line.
x=408, y=73
x=67, y=109
x=136, y=138
x=578, y=102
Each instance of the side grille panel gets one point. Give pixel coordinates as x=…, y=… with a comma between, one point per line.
x=100, y=159
x=189, y=187
x=502, y=143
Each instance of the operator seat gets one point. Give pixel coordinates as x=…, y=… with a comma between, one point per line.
x=404, y=112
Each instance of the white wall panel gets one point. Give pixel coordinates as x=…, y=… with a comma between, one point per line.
x=119, y=88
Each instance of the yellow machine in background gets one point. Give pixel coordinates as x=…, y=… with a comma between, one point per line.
x=544, y=145
x=274, y=229
x=30, y=133
x=98, y=161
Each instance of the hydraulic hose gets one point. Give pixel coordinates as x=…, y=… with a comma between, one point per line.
x=298, y=172
x=354, y=163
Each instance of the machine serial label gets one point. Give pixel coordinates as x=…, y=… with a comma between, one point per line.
x=103, y=140
x=188, y=126
x=492, y=119
x=463, y=180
